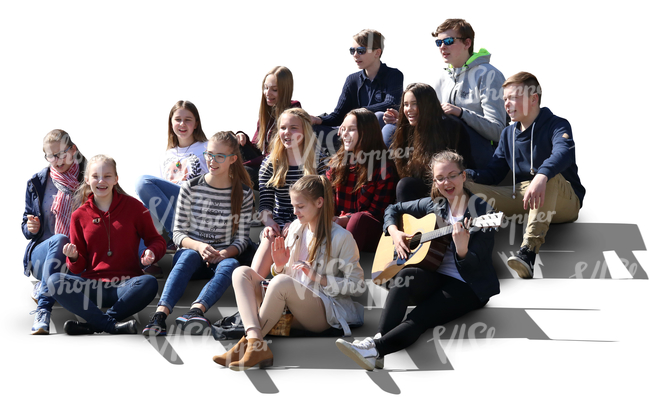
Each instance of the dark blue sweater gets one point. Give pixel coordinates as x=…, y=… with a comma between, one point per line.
x=385, y=92
x=553, y=153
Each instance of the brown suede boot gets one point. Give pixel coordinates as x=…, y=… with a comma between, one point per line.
x=232, y=355
x=257, y=352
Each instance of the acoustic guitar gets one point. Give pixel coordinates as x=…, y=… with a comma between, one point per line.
x=427, y=246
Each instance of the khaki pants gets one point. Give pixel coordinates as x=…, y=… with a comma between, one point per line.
x=561, y=205
x=307, y=309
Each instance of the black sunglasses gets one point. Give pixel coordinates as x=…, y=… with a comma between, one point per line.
x=447, y=40
x=359, y=50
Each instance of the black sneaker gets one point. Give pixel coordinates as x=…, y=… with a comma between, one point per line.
x=193, y=321
x=156, y=326
x=73, y=327
x=523, y=262
x=127, y=327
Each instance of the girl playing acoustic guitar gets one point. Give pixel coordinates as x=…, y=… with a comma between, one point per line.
x=464, y=281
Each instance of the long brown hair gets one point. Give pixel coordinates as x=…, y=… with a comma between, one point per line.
x=427, y=137
x=370, y=143
x=238, y=176
x=198, y=134
x=312, y=187
x=308, y=150
x=82, y=193
x=284, y=80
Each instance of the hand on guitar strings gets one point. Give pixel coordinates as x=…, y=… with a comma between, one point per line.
x=400, y=241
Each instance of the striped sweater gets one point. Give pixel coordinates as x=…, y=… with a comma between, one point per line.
x=276, y=199
x=203, y=214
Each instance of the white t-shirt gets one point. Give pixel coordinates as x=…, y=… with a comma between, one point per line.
x=184, y=163
x=448, y=265
x=303, y=254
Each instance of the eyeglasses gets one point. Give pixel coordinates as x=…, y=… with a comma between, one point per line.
x=447, y=40
x=358, y=50
x=54, y=157
x=450, y=177
x=219, y=158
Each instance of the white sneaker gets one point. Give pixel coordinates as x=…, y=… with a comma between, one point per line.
x=362, y=352
x=379, y=361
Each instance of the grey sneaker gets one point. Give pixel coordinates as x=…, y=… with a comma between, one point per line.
x=523, y=262
x=41, y=322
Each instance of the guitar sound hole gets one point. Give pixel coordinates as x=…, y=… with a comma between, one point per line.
x=415, y=241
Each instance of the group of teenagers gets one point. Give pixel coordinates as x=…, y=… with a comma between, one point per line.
x=329, y=187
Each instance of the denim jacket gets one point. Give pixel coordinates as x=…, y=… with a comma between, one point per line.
x=476, y=268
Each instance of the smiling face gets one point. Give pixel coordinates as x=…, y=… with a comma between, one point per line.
x=306, y=211
x=101, y=177
x=457, y=53
x=519, y=105
x=291, y=131
x=271, y=90
x=349, y=133
x=452, y=185
x=220, y=150
x=411, y=108
x=183, y=125
x=63, y=162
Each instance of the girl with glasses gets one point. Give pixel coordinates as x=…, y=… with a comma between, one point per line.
x=363, y=177
x=46, y=220
x=182, y=161
x=422, y=131
x=105, y=232
x=316, y=271
x=211, y=227
x=464, y=280
x=277, y=89
x=294, y=153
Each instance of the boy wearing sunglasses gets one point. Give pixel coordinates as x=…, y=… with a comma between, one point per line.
x=375, y=87
x=539, y=149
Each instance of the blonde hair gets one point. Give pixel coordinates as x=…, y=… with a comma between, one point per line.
x=61, y=136
x=285, y=91
x=308, y=149
x=444, y=156
x=238, y=176
x=312, y=187
x=82, y=193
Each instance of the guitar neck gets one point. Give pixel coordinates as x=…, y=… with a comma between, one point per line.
x=432, y=235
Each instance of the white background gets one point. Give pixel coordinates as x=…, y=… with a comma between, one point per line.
x=109, y=72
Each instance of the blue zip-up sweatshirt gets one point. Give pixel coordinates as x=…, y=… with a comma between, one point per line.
x=33, y=201
x=553, y=153
x=386, y=92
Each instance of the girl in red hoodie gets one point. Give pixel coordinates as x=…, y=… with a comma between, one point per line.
x=105, y=233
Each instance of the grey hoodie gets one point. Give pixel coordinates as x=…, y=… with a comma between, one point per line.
x=476, y=88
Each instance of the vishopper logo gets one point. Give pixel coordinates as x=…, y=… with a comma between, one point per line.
x=460, y=336
x=599, y=271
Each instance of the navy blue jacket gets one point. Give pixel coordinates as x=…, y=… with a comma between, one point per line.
x=476, y=268
x=553, y=153
x=33, y=202
x=386, y=92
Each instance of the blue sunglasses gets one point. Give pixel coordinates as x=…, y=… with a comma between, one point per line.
x=447, y=40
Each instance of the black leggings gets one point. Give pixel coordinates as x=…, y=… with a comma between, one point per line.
x=438, y=299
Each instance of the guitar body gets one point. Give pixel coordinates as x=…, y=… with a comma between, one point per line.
x=427, y=255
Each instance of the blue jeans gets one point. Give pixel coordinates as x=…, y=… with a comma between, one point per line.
x=47, y=258
x=387, y=131
x=189, y=265
x=159, y=196
x=84, y=297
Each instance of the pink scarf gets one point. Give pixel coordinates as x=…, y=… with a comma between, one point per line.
x=66, y=183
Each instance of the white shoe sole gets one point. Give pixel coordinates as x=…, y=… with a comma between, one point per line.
x=522, y=269
x=346, y=348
